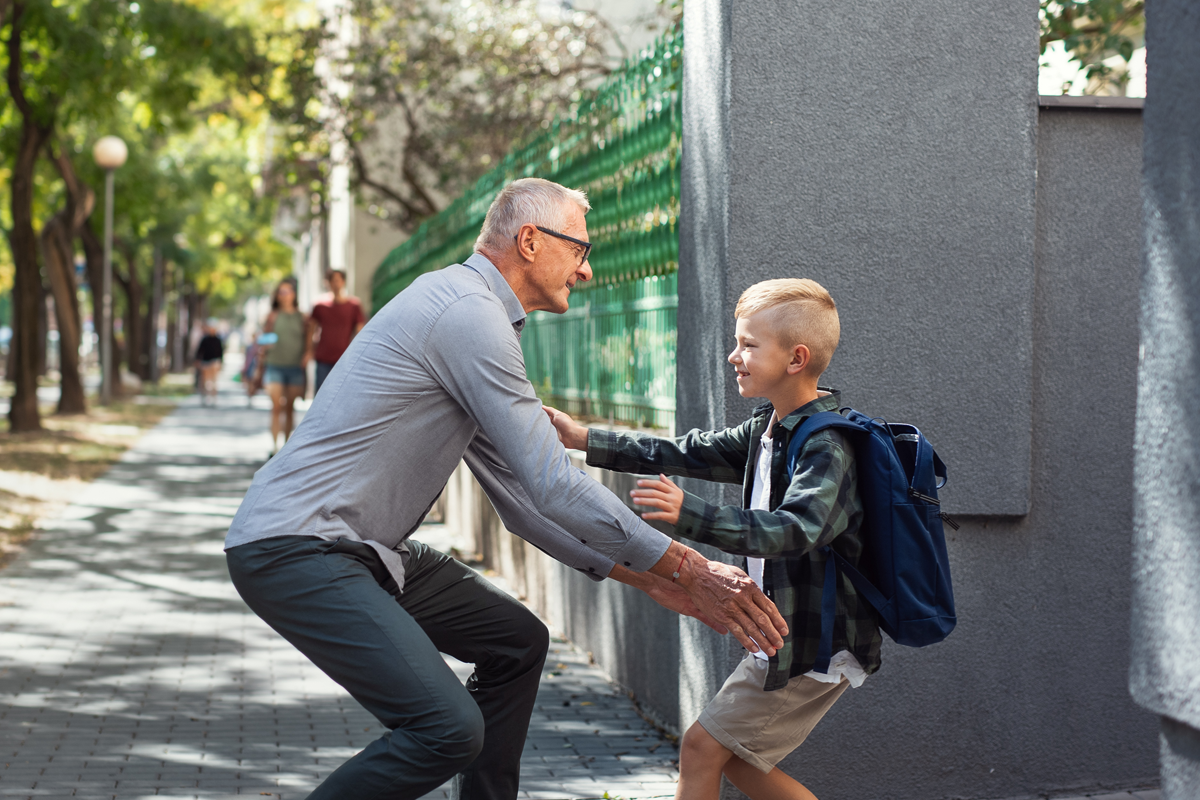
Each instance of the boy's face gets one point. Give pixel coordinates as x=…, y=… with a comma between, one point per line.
x=763, y=364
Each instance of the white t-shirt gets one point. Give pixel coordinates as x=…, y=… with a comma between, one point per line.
x=843, y=663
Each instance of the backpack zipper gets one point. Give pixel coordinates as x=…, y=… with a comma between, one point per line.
x=925, y=497
x=949, y=520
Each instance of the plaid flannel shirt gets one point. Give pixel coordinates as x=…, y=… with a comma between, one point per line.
x=819, y=506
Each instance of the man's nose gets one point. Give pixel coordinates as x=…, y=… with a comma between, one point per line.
x=584, y=271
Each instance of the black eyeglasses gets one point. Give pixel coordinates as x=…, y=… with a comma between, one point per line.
x=587, y=246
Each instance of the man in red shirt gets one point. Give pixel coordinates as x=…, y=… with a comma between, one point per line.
x=336, y=318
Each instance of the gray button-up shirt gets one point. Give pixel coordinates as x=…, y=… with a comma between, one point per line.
x=437, y=375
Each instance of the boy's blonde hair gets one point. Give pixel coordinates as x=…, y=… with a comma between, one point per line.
x=804, y=314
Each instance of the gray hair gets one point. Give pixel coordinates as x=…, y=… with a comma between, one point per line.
x=525, y=201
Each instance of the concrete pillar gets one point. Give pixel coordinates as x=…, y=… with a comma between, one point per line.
x=887, y=151
x=1166, y=551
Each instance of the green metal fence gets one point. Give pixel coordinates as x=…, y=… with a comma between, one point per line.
x=613, y=354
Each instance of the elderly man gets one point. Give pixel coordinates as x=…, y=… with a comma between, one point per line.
x=320, y=550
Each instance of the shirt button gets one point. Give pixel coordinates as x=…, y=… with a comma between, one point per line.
x=583, y=541
x=628, y=564
x=591, y=569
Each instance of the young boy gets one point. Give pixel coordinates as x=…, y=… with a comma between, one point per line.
x=787, y=331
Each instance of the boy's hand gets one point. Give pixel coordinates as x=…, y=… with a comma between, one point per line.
x=662, y=494
x=573, y=435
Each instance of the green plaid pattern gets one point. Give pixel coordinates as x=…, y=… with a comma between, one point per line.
x=819, y=506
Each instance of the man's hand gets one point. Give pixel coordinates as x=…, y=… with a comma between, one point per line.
x=662, y=494
x=725, y=595
x=573, y=435
x=668, y=595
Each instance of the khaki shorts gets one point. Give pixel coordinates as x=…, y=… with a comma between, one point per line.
x=762, y=727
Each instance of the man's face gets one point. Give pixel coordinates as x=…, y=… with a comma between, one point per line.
x=760, y=359
x=336, y=282
x=556, y=269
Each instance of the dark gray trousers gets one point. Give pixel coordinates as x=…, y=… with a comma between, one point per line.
x=336, y=602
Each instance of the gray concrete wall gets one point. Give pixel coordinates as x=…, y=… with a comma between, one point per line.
x=886, y=150
x=1166, y=608
x=1029, y=693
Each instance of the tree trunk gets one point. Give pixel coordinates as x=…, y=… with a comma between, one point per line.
x=93, y=259
x=135, y=325
x=156, y=312
x=43, y=328
x=27, y=283
x=71, y=222
x=57, y=254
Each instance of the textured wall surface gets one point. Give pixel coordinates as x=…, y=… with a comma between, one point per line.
x=1166, y=607
x=1028, y=694
x=886, y=150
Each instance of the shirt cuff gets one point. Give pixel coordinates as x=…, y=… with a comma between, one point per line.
x=645, y=548
x=593, y=565
x=692, y=513
x=601, y=447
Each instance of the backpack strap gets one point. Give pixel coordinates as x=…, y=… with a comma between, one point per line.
x=819, y=422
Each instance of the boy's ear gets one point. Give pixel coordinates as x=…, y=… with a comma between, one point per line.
x=801, y=358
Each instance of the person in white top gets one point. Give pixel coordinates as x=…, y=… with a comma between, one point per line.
x=787, y=331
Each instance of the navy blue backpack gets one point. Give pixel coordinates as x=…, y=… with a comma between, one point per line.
x=904, y=546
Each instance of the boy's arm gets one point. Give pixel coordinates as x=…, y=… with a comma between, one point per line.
x=709, y=455
x=815, y=509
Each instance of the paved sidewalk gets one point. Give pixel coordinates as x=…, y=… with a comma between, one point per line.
x=129, y=668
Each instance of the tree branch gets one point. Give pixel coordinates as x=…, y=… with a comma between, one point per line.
x=364, y=178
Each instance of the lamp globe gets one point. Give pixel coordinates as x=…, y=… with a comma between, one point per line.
x=110, y=152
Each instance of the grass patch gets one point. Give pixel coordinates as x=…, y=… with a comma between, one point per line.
x=41, y=469
x=80, y=446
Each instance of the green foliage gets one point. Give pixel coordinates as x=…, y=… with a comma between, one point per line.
x=1093, y=31
x=190, y=87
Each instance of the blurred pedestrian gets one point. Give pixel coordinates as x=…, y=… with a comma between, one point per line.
x=336, y=319
x=251, y=374
x=210, y=353
x=286, y=359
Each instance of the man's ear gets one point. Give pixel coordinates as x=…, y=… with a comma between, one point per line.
x=801, y=358
x=527, y=243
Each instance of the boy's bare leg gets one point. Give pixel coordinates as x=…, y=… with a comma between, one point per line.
x=775, y=785
x=701, y=760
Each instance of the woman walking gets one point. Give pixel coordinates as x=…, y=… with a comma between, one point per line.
x=286, y=359
x=209, y=355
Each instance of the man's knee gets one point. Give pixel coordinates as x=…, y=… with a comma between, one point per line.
x=535, y=636
x=459, y=738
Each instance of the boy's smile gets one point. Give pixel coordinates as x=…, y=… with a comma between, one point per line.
x=759, y=359
x=766, y=368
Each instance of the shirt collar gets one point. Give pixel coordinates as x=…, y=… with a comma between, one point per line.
x=828, y=402
x=499, y=287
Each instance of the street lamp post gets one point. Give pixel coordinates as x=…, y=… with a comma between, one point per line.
x=110, y=153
